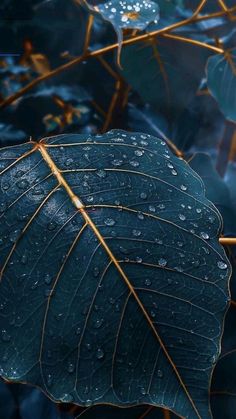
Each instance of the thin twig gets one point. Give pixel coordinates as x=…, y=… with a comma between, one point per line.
x=194, y=42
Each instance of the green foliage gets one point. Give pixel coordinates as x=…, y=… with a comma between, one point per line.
x=164, y=68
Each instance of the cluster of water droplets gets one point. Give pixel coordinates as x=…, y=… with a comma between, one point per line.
x=133, y=13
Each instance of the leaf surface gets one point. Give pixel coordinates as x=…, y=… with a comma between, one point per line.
x=221, y=80
x=114, y=285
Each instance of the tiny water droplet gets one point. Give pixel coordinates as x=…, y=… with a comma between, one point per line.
x=22, y=184
x=100, y=353
x=143, y=195
x=148, y=282
x=183, y=187
x=182, y=217
x=159, y=373
x=136, y=233
x=109, y=221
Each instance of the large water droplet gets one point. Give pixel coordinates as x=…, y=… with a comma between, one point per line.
x=204, y=235
x=221, y=264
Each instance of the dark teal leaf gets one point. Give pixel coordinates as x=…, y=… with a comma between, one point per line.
x=161, y=74
x=122, y=301
x=145, y=119
x=223, y=398
x=230, y=180
x=221, y=81
x=216, y=190
x=7, y=404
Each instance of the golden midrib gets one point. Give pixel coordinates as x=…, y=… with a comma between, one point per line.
x=81, y=207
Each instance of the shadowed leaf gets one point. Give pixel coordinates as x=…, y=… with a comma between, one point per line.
x=221, y=81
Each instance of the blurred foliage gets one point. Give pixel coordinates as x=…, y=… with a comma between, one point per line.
x=172, y=74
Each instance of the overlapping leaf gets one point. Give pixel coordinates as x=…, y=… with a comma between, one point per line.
x=221, y=81
x=114, y=286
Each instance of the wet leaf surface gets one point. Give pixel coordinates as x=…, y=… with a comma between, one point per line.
x=114, y=285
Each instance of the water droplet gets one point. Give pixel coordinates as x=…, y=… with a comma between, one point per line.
x=204, y=235
x=3, y=207
x=117, y=162
x=47, y=279
x=142, y=391
x=139, y=153
x=182, y=217
x=101, y=173
x=67, y=398
x=5, y=336
x=51, y=226
x=183, y=187
x=22, y=184
x=143, y=195
x=162, y=262
x=170, y=165
x=174, y=172
x=148, y=282
x=198, y=210
x=24, y=259
x=71, y=367
x=221, y=264
x=13, y=236
x=138, y=259
x=5, y=186
x=49, y=380
x=100, y=353
x=98, y=323
x=134, y=163
x=136, y=233
x=159, y=373
x=152, y=208
x=96, y=271
x=109, y=221
x=68, y=162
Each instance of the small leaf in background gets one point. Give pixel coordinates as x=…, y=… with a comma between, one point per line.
x=159, y=72
x=223, y=391
x=216, y=190
x=138, y=274
x=221, y=81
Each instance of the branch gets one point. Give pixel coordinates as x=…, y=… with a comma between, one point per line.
x=194, y=42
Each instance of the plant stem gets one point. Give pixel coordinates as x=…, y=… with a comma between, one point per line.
x=227, y=241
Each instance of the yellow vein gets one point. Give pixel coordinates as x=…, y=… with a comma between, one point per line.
x=79, y=205
x=23, y=231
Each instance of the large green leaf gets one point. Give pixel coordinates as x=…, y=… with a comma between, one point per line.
x=221, y=81
x=114, y=285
